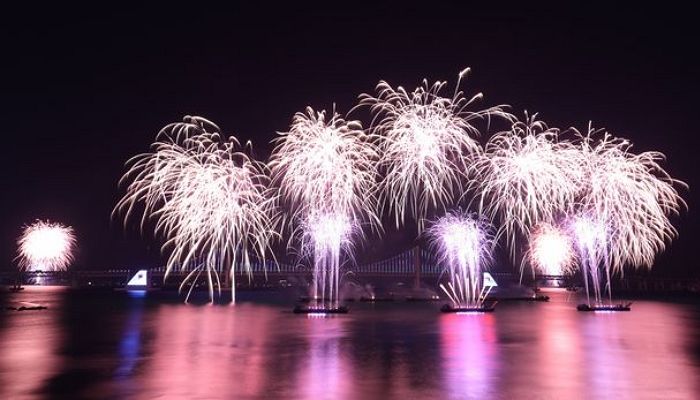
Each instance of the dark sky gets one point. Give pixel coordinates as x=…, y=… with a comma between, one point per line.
x=84, y=89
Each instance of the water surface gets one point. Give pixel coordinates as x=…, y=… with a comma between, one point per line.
x=117, y=345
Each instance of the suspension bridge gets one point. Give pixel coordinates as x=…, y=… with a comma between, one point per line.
x=413, y=265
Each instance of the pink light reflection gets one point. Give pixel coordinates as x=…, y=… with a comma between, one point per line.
x=30, y=344
x=631, y=353
x=205, y=351
x=326, y=370
x=469, y=353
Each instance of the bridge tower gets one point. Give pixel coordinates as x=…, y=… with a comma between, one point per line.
x=416, y=267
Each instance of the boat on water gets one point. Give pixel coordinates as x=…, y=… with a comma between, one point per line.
x=428, y=298
x=320, y=310
x=375, y=299
x=482, y=308
x=605, y=307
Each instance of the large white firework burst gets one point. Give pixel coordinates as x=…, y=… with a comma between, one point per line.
x=526, y=176
x=326, y=164
x=464, y=244
x=209, y=199
x=631, y=194
x=46, y=246
x=426, y=144
x=326, y=169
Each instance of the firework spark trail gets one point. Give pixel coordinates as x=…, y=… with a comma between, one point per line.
x=593, y=250
x=526, y=176
x=592, y=243
x=46, y=246
x=208, y=198
x=631, y=196
x=426, y=144
x=325, y=236
x=463, y=243
x=326, y=169
x=550, y=251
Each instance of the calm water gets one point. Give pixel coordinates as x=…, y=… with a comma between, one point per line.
x=117, y=345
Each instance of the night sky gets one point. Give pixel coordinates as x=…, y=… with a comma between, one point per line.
x=84, y=89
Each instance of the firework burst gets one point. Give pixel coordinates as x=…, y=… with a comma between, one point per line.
x=527, y=176
x=464, y=244
x=630, y=198
x=46, y=246
x=326, y=165
x=550, y=251
x=633, y=196
x=208, y=198
x=325, y=168
x=426, y=144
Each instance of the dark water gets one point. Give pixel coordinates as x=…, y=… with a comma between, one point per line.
x=116, y=345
